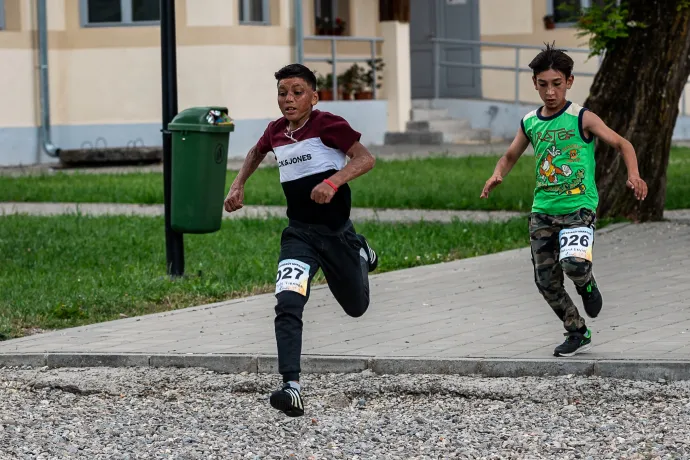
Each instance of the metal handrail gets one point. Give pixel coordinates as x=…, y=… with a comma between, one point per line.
x=334, y=59
x=457, y=41
x=437, y=42
x=498, y=67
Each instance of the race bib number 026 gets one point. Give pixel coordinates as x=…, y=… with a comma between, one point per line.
x=293, y=275
x=576, y=242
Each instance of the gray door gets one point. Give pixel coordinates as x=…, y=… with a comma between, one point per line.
x=453, y=19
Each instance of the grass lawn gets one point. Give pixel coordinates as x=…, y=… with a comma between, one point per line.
x=432, y=183
x=66, y=271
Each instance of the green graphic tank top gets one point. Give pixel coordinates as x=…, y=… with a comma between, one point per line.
x=565, y=161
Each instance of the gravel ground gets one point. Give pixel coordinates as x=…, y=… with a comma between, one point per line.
x=196, y=414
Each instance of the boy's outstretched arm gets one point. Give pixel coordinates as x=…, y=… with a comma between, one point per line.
x=595, y=125
x=506, y=163
x=235, y=197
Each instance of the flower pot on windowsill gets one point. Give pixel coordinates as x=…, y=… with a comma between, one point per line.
x=364, y=95
x=549, y=23
x=325, y=95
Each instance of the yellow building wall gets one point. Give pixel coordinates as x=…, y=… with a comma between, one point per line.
x=362, y=17
x=521, y=22
x=18, y=92
x=113, y=74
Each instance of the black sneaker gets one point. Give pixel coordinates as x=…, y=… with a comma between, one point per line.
x=591, y=298
x=288, y=400
x=576, y=342
x=370, y=254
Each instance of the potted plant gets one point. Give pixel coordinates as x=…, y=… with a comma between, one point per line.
x=365, y=89
x=323, y=26
x=339, y=26
x=350, y=80
x=549, y=22
x=359, y=86
x=324, y=87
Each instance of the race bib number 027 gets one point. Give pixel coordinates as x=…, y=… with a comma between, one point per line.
x=293, y=275
x=576, y=242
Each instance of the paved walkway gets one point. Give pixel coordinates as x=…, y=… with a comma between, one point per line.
x=357, y=214
x=251, y=211
x=479, y=315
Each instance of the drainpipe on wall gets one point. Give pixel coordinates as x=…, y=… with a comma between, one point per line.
x=42, y=17
x=299, y=32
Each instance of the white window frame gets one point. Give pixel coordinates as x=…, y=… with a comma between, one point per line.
x=127, y=21
x=2, y=14
x=584, y=4
x=243, y=6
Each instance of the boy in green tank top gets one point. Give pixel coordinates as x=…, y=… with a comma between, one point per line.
x=562, y=220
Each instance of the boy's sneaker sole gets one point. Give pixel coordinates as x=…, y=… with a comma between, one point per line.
x=288, y=400
x=579, y=350
x=575, y=342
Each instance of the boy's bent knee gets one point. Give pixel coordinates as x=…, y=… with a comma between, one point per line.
x=357, y=308
x=575, y=266
x=356, y=313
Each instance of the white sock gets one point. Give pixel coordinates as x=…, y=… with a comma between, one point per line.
x=295, y=385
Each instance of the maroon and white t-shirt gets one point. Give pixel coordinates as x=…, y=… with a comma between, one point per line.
x=306, y=157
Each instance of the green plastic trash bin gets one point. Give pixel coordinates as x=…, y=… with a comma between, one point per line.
x=200, y=137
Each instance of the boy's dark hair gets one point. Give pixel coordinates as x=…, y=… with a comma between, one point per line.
x=299, y=71
x=552, y=58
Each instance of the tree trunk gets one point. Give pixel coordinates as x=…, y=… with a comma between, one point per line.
x=637, y=92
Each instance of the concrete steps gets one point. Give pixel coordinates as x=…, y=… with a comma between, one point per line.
x=413, y=138
x=422, y=104
x=430, y=126
x=428, y=114
x=446, y=125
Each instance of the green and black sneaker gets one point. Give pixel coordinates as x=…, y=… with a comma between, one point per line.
x=575, y=342
x=591, y=298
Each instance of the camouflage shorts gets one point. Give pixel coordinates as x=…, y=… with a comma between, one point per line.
x=548, y=269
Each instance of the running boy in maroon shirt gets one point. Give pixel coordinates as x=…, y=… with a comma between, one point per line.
x=311, y=148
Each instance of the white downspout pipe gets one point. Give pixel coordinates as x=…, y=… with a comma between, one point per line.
x=42, y=17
